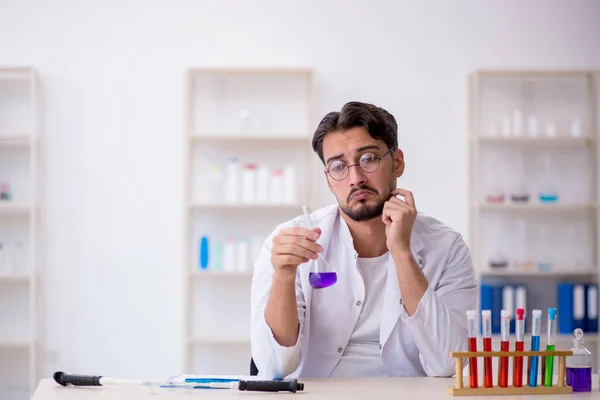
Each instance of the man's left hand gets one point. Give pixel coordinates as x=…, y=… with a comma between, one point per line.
x=399, y=217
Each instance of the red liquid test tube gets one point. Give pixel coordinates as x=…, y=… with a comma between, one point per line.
x=504, y=346
x=519, y=346
x=486, y=320
x=472, y=328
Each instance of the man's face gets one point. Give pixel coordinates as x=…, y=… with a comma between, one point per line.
x=361, y=195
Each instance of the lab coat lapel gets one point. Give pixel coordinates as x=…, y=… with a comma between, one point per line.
x=392, y=304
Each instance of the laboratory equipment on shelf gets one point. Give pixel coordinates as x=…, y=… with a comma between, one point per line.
x=548, y=192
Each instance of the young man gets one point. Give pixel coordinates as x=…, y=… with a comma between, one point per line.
x=405, y=280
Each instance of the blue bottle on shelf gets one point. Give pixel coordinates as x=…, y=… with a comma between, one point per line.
x=204, y=256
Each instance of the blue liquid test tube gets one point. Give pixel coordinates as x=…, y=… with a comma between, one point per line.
x=536, y=328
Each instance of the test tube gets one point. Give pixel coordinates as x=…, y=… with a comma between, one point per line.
x=535, y=346
x=519, y=346
x=472, y=326
x=550, y=346
x=504, y=346
x=486, y=320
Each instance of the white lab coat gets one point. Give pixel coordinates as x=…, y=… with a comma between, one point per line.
x=416, y=345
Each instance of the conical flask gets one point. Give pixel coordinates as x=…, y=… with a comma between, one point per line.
x=321, y=274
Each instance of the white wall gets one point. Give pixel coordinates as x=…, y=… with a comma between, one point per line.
x=112, y=124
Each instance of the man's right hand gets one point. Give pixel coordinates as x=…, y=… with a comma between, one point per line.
x=292, y=247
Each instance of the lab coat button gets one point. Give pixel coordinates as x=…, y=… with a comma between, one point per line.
x=340, y=349
x=400, y=301
x=420, y=261
x=359, y=303
x=379, y=347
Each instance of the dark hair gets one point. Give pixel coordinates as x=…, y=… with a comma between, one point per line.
x=378, y=122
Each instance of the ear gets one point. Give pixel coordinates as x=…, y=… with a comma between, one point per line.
x=399, y=163
x=327, y=180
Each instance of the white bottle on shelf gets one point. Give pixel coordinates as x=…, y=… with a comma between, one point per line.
x=576, y=128
x=232, y=189
x=276, y=185
x=550, y=129
x=517, y=127
x=290, y=185
x=249, y=184
x=229, y=256
x=506, y=125
x=533, y=128
x=262, y=190
x=212, y=192
x=242, y=256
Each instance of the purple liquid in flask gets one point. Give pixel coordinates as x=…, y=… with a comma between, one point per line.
x=321, y=274
x=320, y=280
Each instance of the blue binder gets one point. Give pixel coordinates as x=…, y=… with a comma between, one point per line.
x=591, y=308
x=491, y=299
x=571, y=307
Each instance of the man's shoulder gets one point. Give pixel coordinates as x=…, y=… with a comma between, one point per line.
x=429, y=227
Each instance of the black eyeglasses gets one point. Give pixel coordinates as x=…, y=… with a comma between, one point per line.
x=368, y=162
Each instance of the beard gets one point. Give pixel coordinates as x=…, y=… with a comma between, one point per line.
x=363, y=211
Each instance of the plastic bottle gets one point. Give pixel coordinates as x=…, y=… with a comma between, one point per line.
x=214, y=192
x=533, y=128
x=276, y=187
x=229, y=255
x=262, y=189
x=248, y=195
x=204, y=252
x=579, y=365
x=517, y=123
x=217, y=256
x=576, y=128
x=242, y=255
x=550, y=129
x=290, y=185
x=232, y=190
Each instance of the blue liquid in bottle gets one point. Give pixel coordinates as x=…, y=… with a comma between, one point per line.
x=548, y=197
x=320, y=280
x=580, y=379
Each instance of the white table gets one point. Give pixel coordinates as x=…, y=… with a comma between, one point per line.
x=364, y=389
